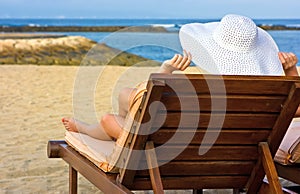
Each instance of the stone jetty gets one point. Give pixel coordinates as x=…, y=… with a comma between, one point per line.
x=48, y=49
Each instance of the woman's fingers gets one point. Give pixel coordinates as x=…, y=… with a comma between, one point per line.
x=288, y=60
x=173, y=60
x=281, y=57
x=180, y=62
x=186, y=61
x=294, y=58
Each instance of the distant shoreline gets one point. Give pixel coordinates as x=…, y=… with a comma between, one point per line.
x=278, y=27
x=82, y=29
x=111, y=28
x=28, y=35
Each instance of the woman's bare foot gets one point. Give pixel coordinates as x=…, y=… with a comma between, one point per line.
x=70, y=124
x=95, y=130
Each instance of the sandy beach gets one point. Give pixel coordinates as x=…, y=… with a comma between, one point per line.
x=33, y=101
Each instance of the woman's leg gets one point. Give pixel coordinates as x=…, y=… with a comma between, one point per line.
x=95, y=131
x=124, y=99
x=112, y=125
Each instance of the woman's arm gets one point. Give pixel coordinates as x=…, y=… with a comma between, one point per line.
x=289, y=61
x=178, y=62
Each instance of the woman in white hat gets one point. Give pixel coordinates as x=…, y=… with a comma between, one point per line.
x=236, y=46
x=233, y=46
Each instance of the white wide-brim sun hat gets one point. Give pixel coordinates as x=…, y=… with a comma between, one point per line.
x=233, y=46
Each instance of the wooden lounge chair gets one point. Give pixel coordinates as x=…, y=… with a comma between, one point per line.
x=207, y=132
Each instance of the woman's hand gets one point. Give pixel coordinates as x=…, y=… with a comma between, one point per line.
x=289, y=61
x=178, y=62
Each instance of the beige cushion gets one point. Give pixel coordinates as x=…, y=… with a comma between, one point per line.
x=97, y=151
x=289, y=149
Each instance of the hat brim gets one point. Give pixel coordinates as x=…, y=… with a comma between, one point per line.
x=197, y=38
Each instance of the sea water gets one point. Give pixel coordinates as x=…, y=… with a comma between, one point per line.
x=162, y=46
x=156, y=46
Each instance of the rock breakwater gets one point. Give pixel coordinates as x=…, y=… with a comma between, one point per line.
x=69, y=50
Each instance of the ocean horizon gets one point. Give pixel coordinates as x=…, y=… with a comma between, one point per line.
x=168, y=23
x=155, y=46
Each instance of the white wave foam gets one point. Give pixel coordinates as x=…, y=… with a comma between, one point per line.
x=34, y=25
x=164, y=25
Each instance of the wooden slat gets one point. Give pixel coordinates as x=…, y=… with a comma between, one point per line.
x=244, y=137
x=230, y=120
x=265, y=85
x=192, y=168
x=195, y=182
x=241, y=103
x=229, y=153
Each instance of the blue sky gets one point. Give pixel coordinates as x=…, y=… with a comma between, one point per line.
x=208, y=9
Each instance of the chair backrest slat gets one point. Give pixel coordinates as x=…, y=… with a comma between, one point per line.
x=234, y=84
x=231, y=120
x=226, y=136
x=242, y=103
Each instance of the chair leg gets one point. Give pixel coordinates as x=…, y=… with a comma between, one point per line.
x=197, y=191
x=269, y=167
x=72, y=180
x=153, y=169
